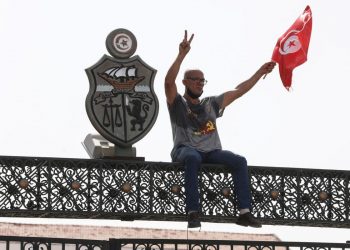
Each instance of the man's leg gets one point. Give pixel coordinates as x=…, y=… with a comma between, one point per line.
x=239, y=170
x=192, y=160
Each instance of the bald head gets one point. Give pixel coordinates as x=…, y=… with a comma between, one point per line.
x=190, y=72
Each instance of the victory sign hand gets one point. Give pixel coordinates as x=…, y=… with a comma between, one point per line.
x=185, y=45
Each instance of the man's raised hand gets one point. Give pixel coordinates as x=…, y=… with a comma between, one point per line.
x=185, y=45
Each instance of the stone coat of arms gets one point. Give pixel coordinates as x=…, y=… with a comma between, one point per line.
x=121, y=103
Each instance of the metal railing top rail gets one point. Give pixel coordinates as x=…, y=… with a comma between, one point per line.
x=48, y=239
x=161, y=163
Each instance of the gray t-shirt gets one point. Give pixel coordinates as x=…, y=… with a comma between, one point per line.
x=194, y=125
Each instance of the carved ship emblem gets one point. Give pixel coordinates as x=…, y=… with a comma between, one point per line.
x=122, y=78
x=121, y=103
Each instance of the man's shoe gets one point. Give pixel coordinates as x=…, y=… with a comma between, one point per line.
x=193, y=220
x=248, y=219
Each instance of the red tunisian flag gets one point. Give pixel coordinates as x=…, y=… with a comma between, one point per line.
x=291, y=48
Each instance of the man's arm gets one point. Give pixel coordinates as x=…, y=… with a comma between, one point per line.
x=245, y=86
x=170, y=78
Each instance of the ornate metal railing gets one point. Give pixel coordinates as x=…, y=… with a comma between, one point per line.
x=182, y=244
x=131, y=190
x=36, y=243
x=33, y=243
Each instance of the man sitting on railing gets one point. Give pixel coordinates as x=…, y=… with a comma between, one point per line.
x=196, y=139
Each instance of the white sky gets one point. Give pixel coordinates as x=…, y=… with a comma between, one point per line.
x=46, y=46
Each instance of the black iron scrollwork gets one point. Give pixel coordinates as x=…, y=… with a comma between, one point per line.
x=84, y=188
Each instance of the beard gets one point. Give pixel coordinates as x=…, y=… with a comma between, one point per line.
x=193, y=95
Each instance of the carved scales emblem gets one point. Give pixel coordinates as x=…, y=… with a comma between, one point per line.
x=121, y=103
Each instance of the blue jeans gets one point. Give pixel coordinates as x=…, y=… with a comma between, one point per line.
x=192, y=159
